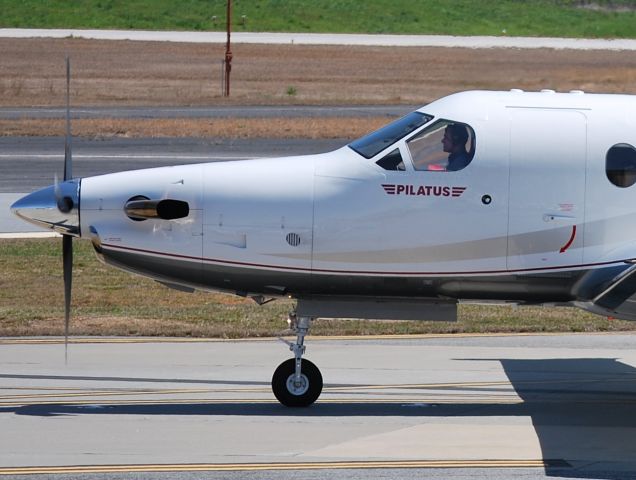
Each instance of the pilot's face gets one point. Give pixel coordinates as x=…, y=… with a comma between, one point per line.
x=447, y=142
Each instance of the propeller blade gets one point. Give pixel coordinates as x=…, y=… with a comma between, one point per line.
x=67, y=261
x=67, y=240
x=68, y=160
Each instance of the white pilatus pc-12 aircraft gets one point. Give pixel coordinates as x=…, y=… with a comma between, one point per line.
x=508, y=196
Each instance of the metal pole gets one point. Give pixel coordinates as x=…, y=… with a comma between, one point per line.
x=228, y=51
x=222, y=63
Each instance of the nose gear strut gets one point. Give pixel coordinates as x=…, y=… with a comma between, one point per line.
x=297, y=382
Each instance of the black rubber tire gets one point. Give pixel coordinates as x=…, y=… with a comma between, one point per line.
x=312, y=376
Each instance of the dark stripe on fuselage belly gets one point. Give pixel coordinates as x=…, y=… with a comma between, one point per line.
x=195, y=274
x=541, y=287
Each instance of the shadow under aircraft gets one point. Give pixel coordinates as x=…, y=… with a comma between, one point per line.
x=583, y=411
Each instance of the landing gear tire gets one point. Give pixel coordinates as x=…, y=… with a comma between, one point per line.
x=297, y=394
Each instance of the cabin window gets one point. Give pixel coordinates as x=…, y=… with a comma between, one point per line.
x=392, y=161
x=372, y=144
x=620, y=165
x=445, y=146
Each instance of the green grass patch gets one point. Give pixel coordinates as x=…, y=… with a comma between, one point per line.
x=107, y=301
x=559, y=18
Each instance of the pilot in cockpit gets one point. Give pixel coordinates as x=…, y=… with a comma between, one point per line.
x=454, y=143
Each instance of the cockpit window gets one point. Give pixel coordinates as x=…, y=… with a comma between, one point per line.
x=444, y=146
x=620, y=165
x=373, y=143
x=392, y=161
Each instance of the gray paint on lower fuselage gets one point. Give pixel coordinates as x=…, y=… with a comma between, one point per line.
x=251, y=280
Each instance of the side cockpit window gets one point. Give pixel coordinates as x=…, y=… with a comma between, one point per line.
x=445, y=146
x=620, y=165
x=392, y=161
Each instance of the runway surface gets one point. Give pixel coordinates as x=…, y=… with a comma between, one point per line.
x=29, y=163
x=557, y=406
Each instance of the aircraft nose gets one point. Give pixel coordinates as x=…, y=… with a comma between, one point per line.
x=55, y=208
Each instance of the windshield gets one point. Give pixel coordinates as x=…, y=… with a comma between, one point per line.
x=373, y=143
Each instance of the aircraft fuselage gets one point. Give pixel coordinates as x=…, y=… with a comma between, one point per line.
x=540, y=209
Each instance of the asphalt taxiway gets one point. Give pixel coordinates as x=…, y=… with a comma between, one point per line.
x=30, y=163
x=541, y=406
x=211, y=112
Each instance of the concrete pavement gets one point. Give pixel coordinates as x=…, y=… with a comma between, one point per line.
x=330, y=39
x=561, y=403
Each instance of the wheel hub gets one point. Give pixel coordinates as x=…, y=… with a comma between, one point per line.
x=297, y=388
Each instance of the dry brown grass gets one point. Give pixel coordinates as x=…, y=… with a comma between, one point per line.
x=162, y=73
x=107, y=301
x=124, y=73
x=186, y=127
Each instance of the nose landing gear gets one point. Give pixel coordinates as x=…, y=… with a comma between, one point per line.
x=297, y=382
